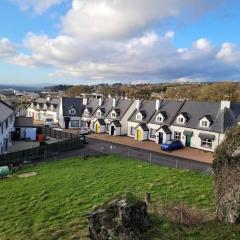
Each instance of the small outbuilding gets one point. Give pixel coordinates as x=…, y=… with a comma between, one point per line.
x=24, y=129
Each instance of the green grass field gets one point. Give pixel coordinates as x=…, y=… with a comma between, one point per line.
x=54, y=203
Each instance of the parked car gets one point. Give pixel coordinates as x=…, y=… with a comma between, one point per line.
x=172, y=145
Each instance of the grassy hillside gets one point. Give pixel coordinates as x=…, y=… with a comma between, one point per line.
x=54, y=203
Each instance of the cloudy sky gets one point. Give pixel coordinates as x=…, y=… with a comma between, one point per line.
x=105, y=41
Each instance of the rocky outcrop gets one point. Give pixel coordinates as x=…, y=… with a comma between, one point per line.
x=122, y=219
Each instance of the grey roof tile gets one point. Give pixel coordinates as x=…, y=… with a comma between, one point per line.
x=72, y=102
x=5, y=111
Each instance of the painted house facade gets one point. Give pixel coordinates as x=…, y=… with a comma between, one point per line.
x=90, y=107
x=137, y=123
x=160, y=123
x=70, y=112
x=99, y=116
x=7, y=118
x=202, y=124
x=117, y=118
x=44, y=109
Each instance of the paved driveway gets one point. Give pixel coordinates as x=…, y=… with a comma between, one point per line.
x=186, y=153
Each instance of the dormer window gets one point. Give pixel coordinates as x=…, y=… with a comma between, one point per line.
x=113, y=115
x=181, y=119
x=38, y=106
x=45, y=106
x=99, y=113
x=139, y=117
x=205, y=122
x=72, y=111
x=52, y=107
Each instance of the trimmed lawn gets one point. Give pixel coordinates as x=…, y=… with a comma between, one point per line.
x=54, y=203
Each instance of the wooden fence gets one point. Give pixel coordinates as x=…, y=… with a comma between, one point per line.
x=69, y=142
x=57, y=134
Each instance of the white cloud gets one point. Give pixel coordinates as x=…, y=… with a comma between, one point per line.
x=7, y=48
x=22, y=60
x=228, y=53
x=91, y=19
x=38, y=6
x=203, y=44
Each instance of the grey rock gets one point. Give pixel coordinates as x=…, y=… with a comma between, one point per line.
x=119, y=220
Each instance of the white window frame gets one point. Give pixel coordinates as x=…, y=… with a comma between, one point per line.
x=113, y=114
x=207, y=143
x=159, y=118
x=177, y=135
x=75, y=122
x=139, y=117
x=204, y=123
x=72, y=111
x=181, y=120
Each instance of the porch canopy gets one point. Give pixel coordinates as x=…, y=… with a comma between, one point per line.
x=206, y=136
x=101, y=122
x=165, y=129
x=187, y=133
x=116, y=123
x=143, y=126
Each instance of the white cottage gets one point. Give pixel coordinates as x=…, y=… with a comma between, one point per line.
x=137, y=123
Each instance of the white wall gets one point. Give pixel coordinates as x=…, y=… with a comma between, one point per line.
x=127, y=115
x=195, y=140
x=131, y=124
x=6, y=134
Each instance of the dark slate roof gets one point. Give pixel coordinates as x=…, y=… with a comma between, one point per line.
x=101, y=122
x=92, y=105
x=121, y=108
x=232, y=115
x=143, y=126
x=170, y=108
x=116, y=123
x=72, y=102
x=105, y=108
x=5, y=111
x=23, y=122
x=197, y=110
x=148, y=107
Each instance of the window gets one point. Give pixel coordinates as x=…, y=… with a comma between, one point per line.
x=204, y=123
x=72, y=111
x=139, y=117
x=107, y=127
x=159, y=118
x=113, y=115
x=177, y=135
x=6, y=124
x=180, y=120
x=52, y=107
x=132, y=131
x=75, y=123
x=152, y=133
x=99, y=113
x=207, y=143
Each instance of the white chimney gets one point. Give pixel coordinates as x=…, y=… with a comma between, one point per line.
x=157, y=104
x=100, y=102
x=109, y=95
x=85, y=101
x=225, y=104
x=137, y=104
x=114, y=102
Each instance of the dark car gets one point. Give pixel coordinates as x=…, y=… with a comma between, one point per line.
x=172, y=145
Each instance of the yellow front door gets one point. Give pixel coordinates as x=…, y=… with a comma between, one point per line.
x=139, y=135
x=97, y=128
